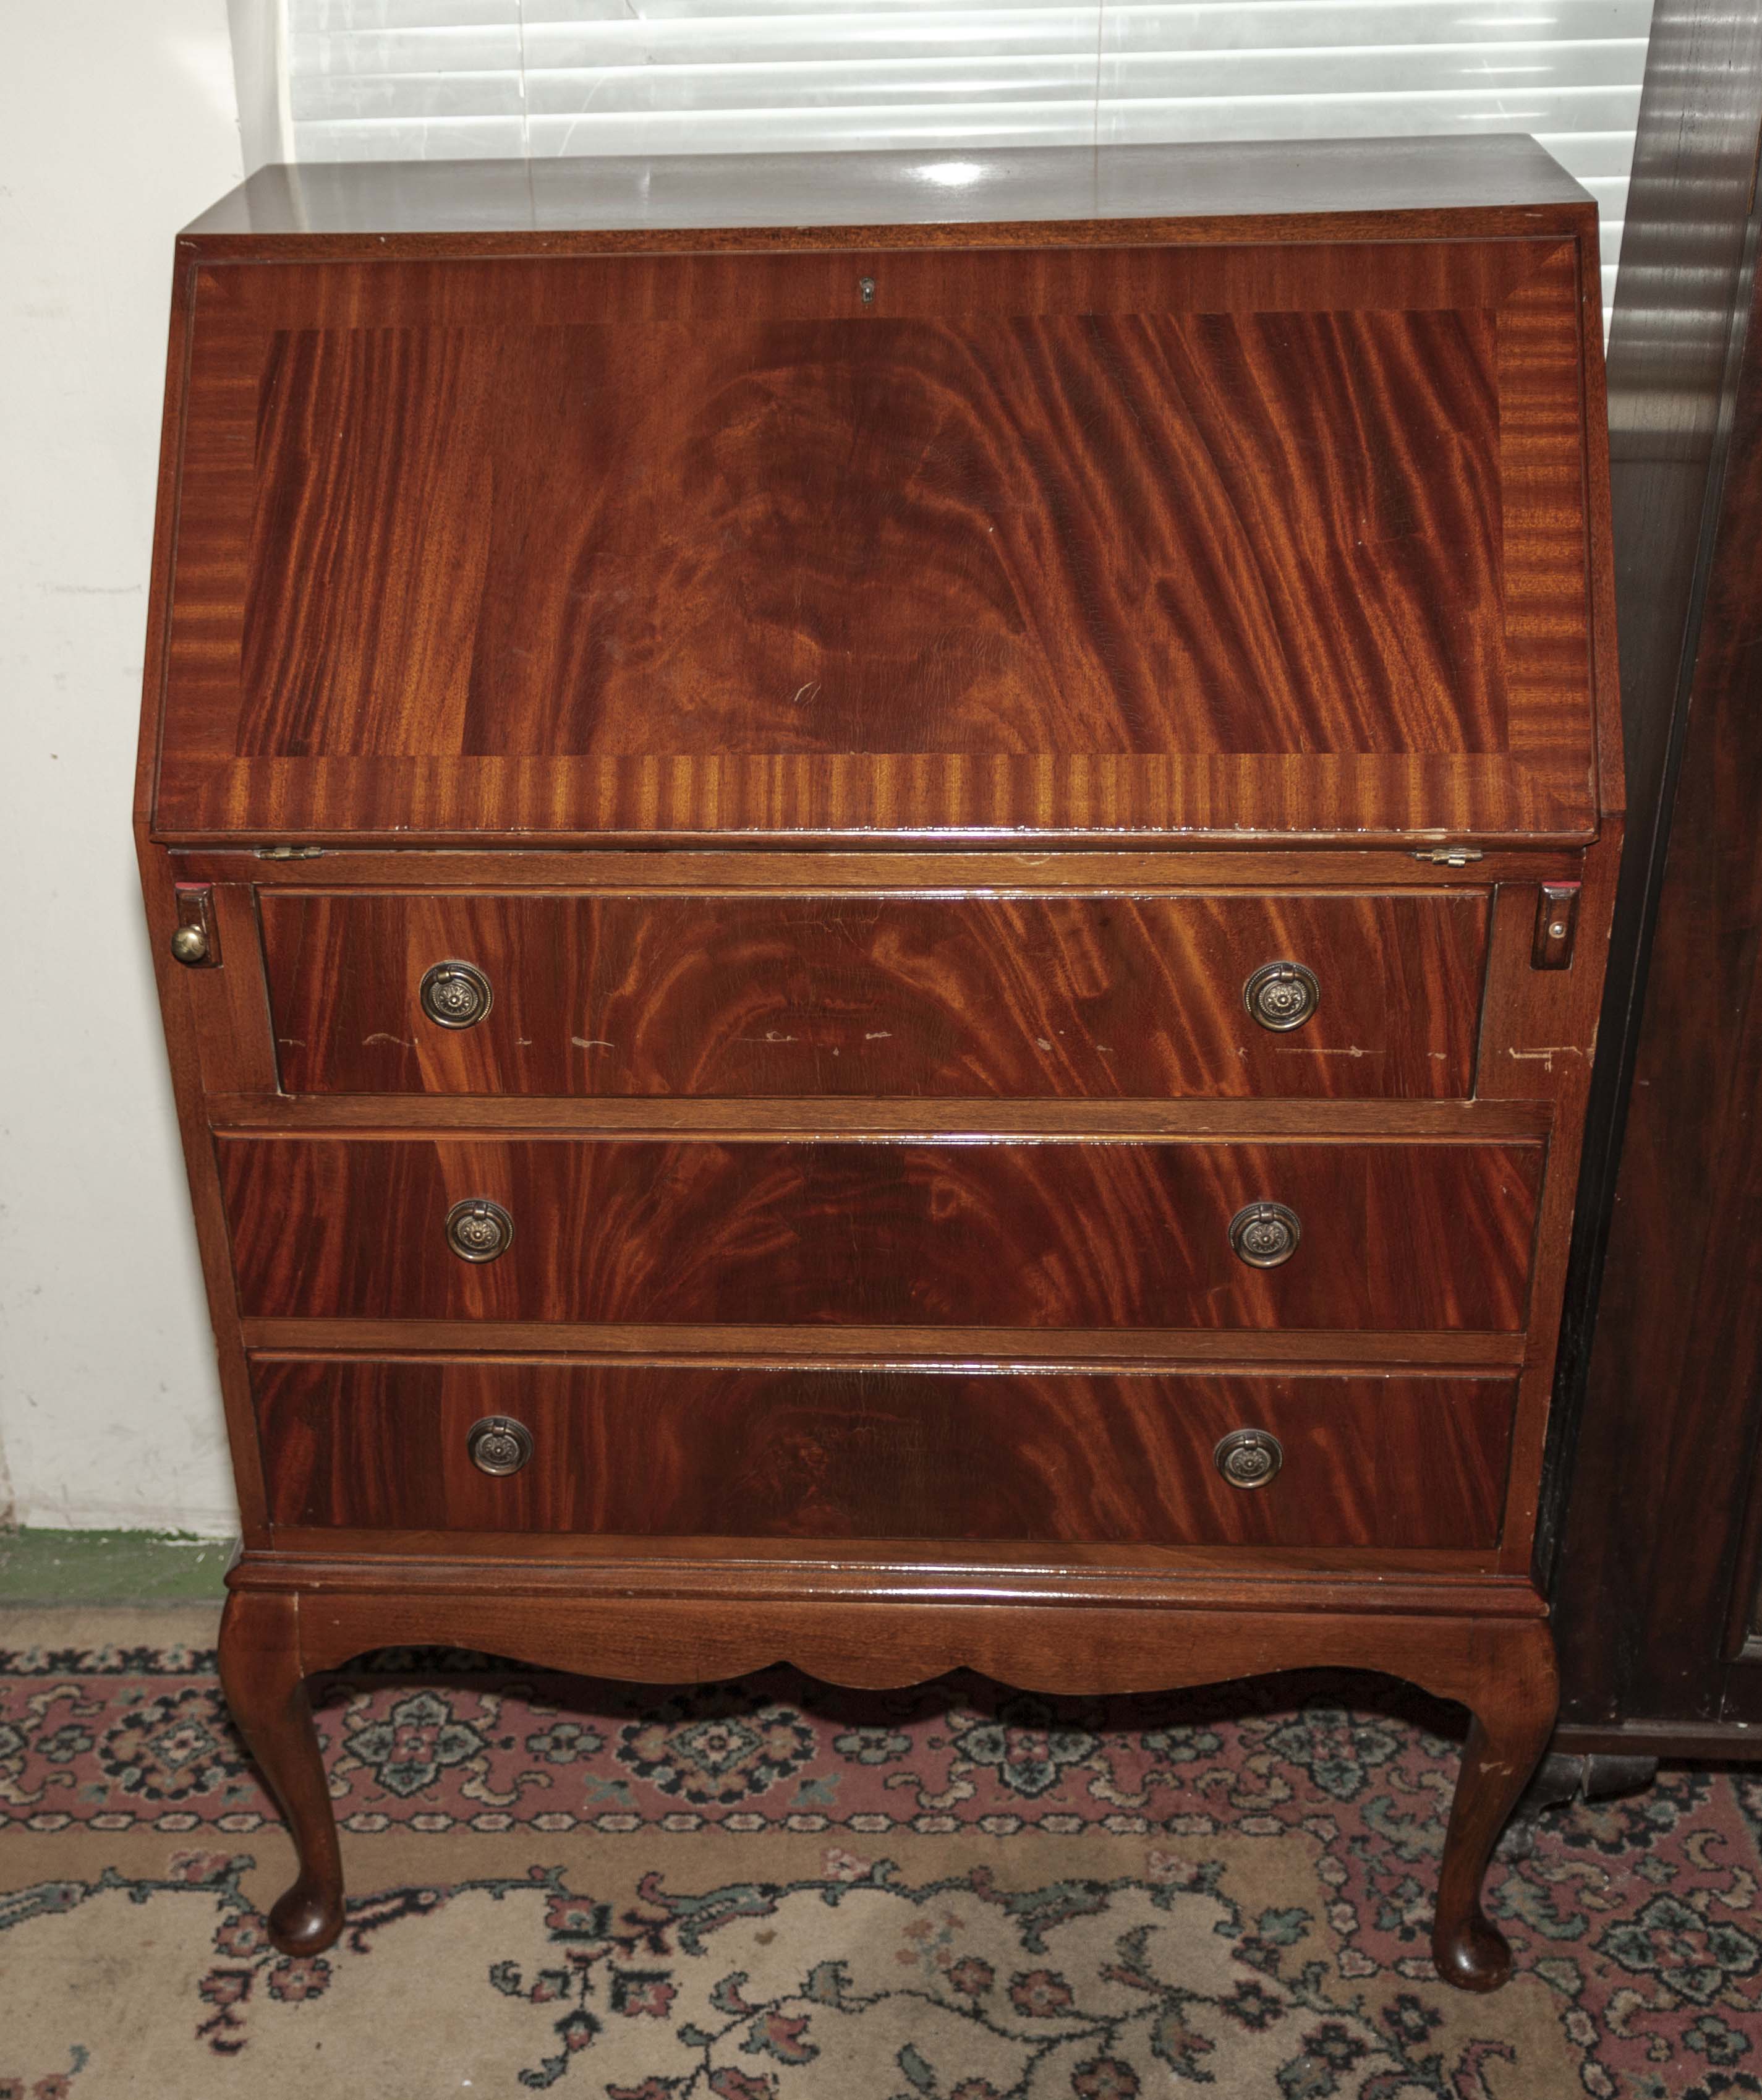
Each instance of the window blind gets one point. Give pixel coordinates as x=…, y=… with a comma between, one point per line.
x=458, y=79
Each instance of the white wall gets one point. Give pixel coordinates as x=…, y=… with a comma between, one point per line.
x=118, y=123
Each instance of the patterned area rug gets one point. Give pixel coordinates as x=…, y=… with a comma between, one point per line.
x=773, y=1891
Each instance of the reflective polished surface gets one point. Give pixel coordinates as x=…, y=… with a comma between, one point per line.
x=886, y=189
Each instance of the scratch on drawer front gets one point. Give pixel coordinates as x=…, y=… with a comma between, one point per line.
x=398, y=1039
x=1316, y=1050
x=592, y=1042
x=1549, y=1052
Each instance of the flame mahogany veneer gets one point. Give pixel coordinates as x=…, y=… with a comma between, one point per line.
x=1065, y=997
x=728, y=1451
x=1055, y=1233
x=867, y=674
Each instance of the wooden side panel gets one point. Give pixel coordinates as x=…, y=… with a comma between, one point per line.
x=1002, y=1234
x=800, y=996
x=231, y=1010
x=675, y=1450
x=1264, y=538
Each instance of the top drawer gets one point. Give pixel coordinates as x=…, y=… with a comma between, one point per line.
x=707, y=996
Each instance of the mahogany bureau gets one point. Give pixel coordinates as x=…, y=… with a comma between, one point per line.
x=880, y=889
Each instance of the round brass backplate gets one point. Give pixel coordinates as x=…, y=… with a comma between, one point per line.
x=479, y=1230
x=456, y=995
x=1264, y=1235
x=1281, y=995
x=498, y=1444
x=1248, y=1457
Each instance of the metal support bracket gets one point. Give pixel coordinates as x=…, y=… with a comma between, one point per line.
x=1556, y=921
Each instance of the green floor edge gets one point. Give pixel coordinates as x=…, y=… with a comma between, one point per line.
x=43, y=1567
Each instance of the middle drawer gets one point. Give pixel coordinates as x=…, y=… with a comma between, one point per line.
x=883, y=1232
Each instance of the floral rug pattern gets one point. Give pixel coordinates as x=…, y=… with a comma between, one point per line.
x=773, y=1890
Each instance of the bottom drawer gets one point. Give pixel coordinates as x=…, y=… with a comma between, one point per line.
x=1048, y=1457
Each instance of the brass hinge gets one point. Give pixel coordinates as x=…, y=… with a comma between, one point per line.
x=1450, y=856
x=288, y=853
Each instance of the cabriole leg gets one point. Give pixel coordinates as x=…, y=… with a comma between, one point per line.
x=1513, y=1704
x=265, y=1683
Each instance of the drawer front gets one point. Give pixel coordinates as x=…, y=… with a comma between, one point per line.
x=714, y=1451
x=1043, y=1234
x=874, y=996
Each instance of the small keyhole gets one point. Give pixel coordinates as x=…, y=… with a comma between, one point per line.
x=866, y=285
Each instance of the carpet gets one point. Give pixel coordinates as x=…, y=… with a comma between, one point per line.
x=774, y=1891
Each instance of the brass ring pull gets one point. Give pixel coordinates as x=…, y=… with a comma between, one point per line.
x=1281, y=995
x=1248, y=1457
x=479, y=1230
x=1265, y=1235
x=456, y=995
x=499, y=1445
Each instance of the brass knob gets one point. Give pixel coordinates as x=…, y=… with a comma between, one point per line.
x=456, y=995
x=1281, y=995
x=479, y=1230
x=1248, y=1457
x=189, y=945
x=498, y=1444
x=1264, y=1234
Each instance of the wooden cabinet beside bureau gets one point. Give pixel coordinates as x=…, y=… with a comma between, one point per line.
x=880, y=908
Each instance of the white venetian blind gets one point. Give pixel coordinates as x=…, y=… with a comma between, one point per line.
x=458, y=79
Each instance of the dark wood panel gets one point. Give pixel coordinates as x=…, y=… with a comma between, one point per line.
x=1040, y=1235
x=1657, y=1416
x=1284, y=539
x=875, y=996
x=1656, y=1589
x=675, y=1451
x=1673, y=1742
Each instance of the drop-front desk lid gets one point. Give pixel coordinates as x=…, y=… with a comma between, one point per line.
x=1163, y=493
